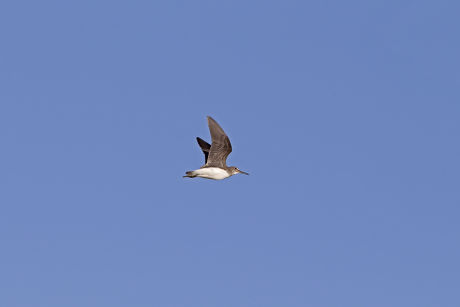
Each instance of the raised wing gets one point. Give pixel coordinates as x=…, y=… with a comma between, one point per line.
x=220, y=147
x=205, y=147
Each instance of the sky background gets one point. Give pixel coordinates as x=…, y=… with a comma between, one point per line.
x=345, y=113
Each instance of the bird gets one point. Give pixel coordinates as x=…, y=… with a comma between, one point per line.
x=215, y=155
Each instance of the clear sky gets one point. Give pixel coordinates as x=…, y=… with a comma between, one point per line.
x=345, y=113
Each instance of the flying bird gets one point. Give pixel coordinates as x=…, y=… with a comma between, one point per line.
x=215, y=155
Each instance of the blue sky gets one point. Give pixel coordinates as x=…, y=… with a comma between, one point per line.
x=346, y=114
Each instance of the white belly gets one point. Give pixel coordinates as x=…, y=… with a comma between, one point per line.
x=211, y=173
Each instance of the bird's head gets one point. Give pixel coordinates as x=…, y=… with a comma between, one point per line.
x=236, y=170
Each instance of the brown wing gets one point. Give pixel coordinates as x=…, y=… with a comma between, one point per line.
x=220, y=146
x=204, y=147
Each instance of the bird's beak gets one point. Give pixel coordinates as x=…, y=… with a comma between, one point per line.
x=243, y=172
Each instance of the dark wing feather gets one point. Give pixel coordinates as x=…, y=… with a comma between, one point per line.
x=205, y=147
x=220, y=147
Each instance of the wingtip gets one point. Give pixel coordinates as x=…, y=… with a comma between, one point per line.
x=211, y=121
x=200, y=140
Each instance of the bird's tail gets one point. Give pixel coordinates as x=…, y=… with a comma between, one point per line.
x=189, y=174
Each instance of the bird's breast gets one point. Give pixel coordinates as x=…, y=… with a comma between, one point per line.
x=212, y=173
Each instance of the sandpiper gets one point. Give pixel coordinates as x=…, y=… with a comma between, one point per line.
x=215, y=155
